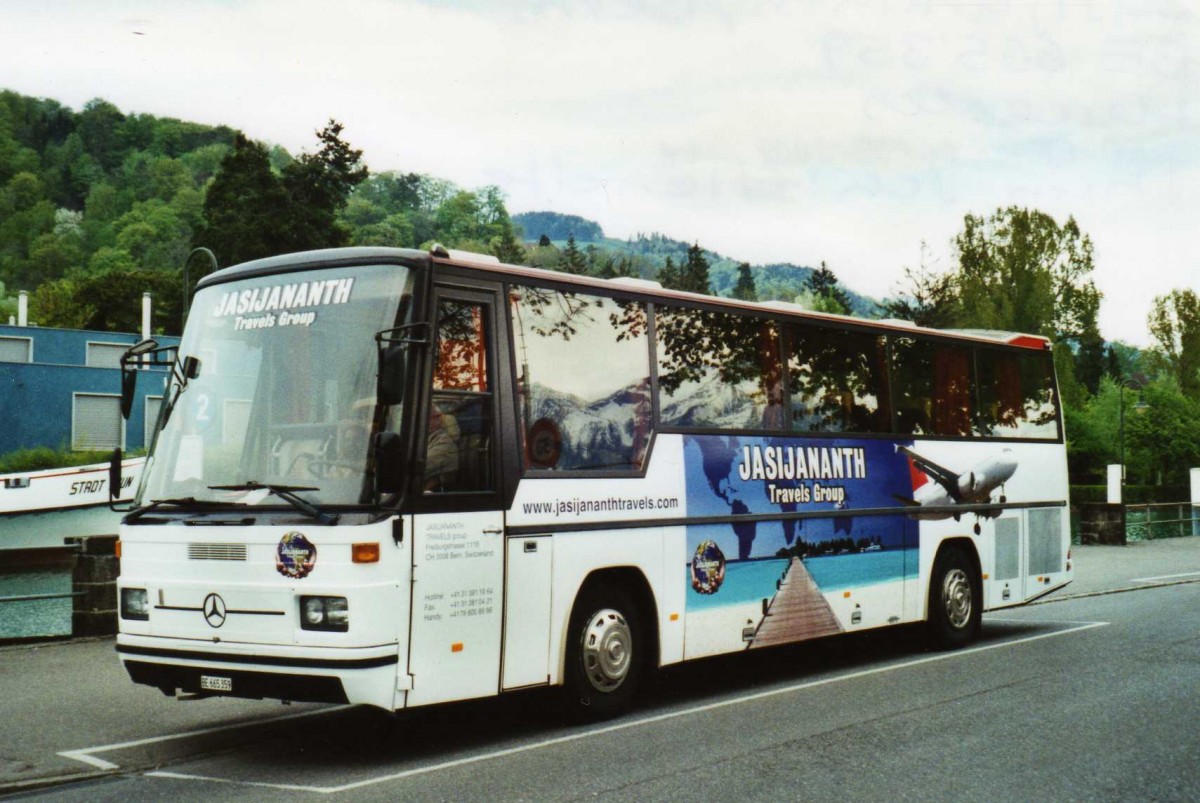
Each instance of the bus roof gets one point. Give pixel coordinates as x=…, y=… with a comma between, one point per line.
x=656, y=290
x=643, y=287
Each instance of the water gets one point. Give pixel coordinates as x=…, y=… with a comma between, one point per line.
x=36, y=617
x=752, y=580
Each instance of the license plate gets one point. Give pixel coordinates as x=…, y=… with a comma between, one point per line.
x=214, y=683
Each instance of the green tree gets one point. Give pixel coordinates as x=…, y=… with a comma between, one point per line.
x=318, y=186
x=1020, y=271
x=394, y=231
x=60, y=303
x=925, y=297
x=99, y=124
x=745, y=289
x=669, y=276
x=573, y=260
x=246, y=207
x=51, y=256
x=1174, y=323
x=506, y=247
x=827, y=295
x=154, y=235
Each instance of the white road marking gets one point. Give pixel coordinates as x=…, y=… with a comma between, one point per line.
x=1162, y=577
x=85, y=754
x=489, y=756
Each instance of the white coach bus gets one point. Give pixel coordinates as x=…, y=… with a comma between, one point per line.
x=400, y=478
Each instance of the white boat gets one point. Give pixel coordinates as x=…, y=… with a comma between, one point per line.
x=40, y=509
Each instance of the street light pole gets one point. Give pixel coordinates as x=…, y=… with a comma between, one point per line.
x=187, y=284
x=1141, y=406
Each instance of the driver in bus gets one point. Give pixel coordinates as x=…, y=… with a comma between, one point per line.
x=441, y=451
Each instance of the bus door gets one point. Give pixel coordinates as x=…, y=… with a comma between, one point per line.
x=458, y=539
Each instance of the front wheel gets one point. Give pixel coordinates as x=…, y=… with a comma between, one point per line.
x=955, y=600
x=606, y=654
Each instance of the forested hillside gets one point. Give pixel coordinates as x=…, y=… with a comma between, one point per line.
x=98, y=206
x=645, y=255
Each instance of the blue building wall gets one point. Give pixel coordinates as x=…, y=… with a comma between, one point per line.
x=36, y=398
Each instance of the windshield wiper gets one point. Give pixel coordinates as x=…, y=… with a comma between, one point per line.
x=288, y=494
x=186, y=501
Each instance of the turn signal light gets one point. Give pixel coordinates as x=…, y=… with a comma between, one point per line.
x=118, y=549
x=365, y=553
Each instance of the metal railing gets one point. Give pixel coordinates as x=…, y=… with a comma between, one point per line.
x=1161, y=520
x=42, y=596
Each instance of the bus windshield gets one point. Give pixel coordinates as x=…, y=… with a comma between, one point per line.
x=284, y=391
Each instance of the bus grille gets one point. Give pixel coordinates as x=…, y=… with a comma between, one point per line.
x=1008, y=548
x=216, y=551
x=1045, y=541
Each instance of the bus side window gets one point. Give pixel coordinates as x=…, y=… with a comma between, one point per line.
x=458, y=435
x=838, y=381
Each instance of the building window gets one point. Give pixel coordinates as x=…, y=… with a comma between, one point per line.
x=96, y=422
x=16, y=349
x=105, y=355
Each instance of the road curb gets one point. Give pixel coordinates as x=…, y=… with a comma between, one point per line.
x=1105, y=592
x=52, y=781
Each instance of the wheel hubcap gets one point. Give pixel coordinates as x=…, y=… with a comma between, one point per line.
x=607, y=650
x=956, y=595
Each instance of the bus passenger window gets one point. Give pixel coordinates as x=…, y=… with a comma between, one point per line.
x=583, y=374
x=838, y=381
x=933, y=387
x=458, y=427
x=1016, y=395
x=718, y=370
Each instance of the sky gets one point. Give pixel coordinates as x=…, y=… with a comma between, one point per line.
x=849, y=132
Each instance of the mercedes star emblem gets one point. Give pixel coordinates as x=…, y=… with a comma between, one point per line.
x=214, y=610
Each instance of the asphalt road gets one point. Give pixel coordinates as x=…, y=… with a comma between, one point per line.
x=1092, y=697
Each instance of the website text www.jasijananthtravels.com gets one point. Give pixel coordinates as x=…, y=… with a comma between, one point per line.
x=612, y=504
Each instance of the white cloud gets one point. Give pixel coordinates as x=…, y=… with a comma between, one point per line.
x=848, y=132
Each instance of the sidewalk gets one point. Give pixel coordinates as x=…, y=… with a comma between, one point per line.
x=1109, y=568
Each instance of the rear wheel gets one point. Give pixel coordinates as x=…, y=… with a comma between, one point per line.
x=955, y=600
x=606, y=653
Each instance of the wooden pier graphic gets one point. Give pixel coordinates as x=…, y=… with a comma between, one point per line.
x=798, y=611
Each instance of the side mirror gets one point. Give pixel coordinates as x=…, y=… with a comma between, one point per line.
x=114, y=475
x=128, y=383
x=393, y=359
x=191, y=367
x=389, y=471
x=129, y=375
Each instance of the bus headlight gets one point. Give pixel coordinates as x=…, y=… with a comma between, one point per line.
x=325, y=613
x=135, y=604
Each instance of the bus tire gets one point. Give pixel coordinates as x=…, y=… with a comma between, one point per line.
x=606, y=653
x=955, y=600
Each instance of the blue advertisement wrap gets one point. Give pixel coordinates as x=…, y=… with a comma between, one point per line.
x=777, y=574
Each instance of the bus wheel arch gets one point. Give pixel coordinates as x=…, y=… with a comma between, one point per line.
x=611, y=643
x=955, y=595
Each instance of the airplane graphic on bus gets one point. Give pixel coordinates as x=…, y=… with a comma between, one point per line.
x=974, y=487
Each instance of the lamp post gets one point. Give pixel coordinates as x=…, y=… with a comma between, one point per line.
x=1140, y=407
x=187, y=284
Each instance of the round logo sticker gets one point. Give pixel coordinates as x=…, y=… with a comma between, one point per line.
x=545, y=444
x=708, y=568
x=295, y=556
